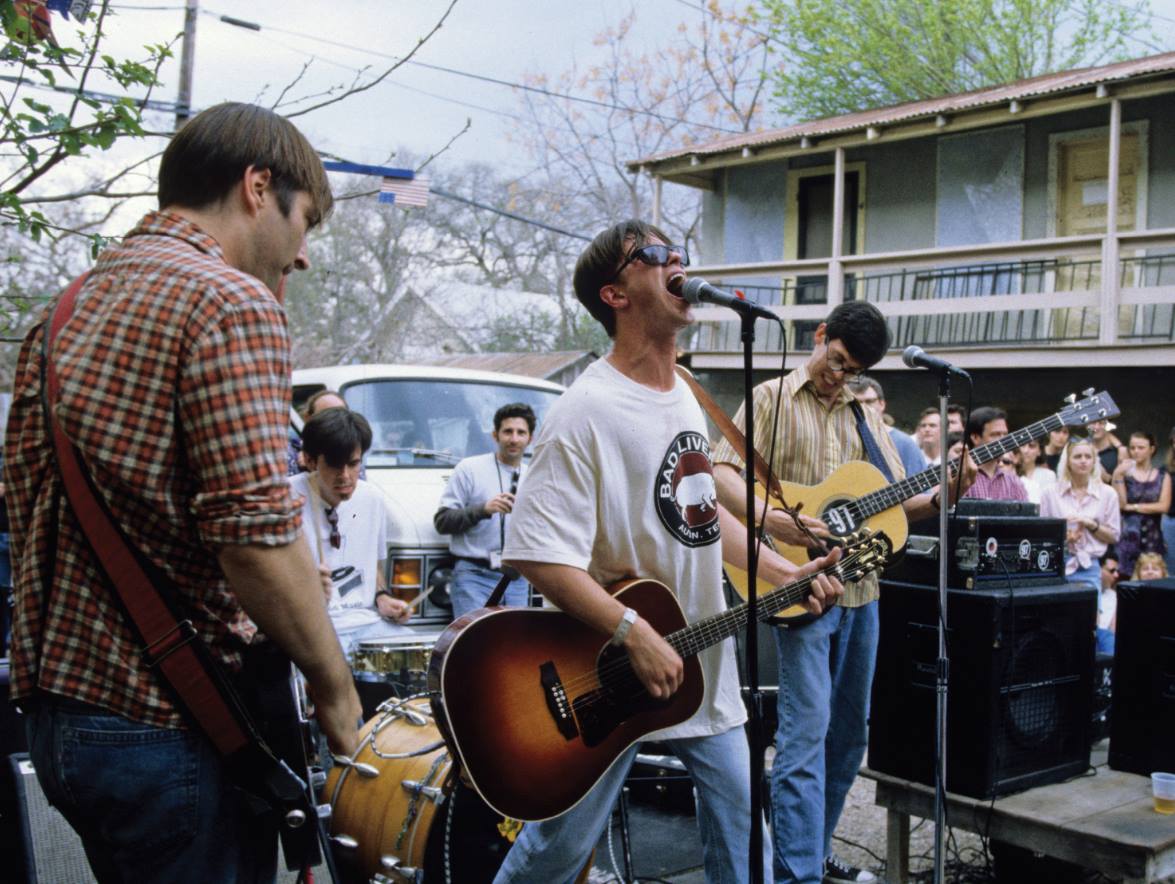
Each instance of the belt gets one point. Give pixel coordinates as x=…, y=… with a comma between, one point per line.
x=481, y=563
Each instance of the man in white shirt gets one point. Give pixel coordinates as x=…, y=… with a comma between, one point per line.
x=345, y=521
x=475, y=509
x=621, y=484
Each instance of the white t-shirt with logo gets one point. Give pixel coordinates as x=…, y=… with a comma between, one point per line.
x=364, y=523
x=621, y=485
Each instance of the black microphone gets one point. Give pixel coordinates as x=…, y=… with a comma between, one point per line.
x=698, y=291
x=915, y=357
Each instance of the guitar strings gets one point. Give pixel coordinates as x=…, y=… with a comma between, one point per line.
x=690, y=640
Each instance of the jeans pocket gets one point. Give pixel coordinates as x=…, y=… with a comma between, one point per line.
x=139, y=786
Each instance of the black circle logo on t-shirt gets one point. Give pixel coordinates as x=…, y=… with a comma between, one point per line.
x=685, y=496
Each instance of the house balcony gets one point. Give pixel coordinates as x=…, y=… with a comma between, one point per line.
x=1068, y=302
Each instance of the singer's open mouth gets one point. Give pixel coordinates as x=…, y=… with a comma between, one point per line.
x=676, y=281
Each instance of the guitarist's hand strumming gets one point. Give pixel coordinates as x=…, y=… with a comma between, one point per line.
x=655, y=663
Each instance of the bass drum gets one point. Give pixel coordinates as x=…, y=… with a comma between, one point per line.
x=397, y=811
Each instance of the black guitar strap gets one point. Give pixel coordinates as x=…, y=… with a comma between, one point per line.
x=872, y=449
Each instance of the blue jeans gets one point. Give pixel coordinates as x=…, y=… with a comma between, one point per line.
x=150, y=804
x=825, y=676
x=1091, y=575
x=472, y=585
x=555, y=850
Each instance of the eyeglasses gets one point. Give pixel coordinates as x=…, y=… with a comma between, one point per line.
x=654, y=254
x=332, y=517
x=514, y=477
x=1111, y=570
x=835, y=364
x=1007, y=462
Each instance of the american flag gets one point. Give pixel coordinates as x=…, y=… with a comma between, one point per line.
x=405, y=191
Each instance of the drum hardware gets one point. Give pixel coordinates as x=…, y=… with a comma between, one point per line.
x=392, y=864
x=364, y=770
x=432, y=793
x=295, y=819
x=344, y=841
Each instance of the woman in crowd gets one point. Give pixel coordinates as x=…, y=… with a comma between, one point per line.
x=1034, y=475
x=1144, y=494
x=1169, y=516
x=1149, y=566
x=1090, y=508
x=1054, y=447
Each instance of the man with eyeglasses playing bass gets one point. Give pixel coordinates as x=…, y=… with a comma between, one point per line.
x=826, y=665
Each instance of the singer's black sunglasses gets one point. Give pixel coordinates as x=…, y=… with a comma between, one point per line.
x=654, y=254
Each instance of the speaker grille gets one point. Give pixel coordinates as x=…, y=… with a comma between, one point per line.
x=53, y=851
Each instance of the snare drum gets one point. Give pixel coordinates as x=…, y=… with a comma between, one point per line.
x=401, y=660
x=395, y=813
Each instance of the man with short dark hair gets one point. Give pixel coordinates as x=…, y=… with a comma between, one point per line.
x=346, y=523
x=621, y=485
x=992, y=482
x=174, y=375
x=827, y=664
x=482, y=487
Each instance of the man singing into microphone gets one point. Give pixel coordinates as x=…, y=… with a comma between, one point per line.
x=824, y=698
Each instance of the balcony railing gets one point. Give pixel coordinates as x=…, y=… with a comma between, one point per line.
x=1040, y=293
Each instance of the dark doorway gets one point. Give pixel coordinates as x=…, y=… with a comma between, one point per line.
x=814, y=240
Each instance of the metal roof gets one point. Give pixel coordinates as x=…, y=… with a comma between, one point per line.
x=1021, y=90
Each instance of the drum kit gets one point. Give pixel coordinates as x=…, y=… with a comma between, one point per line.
x=399, y=810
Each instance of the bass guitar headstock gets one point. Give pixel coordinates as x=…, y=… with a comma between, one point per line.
x=1094, y=407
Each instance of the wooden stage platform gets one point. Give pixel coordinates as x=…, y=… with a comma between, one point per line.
x=1103, y=821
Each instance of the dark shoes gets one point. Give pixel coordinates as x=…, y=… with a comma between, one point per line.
x=837, y=871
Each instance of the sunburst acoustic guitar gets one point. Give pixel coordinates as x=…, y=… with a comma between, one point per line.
x=537, y=705
x=857, y=495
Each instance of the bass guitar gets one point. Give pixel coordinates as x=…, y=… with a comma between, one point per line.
x=536, y=705
x=857, y=495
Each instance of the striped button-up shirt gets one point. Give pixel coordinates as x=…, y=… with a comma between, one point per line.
x=175, y=387
x=812, y=441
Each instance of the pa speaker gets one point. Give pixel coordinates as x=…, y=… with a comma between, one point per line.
x=1019, y=688
x=52, y=850
x=1142, y=720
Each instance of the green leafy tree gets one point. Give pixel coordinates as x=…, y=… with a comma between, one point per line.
x=840, y=56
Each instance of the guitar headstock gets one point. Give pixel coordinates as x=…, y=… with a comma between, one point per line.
x=1094, y=407
x=865, y=551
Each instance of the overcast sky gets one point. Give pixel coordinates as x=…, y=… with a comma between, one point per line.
x=417, y=109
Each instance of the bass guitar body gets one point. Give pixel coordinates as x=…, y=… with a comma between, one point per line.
x=538, y=705
x=825, y=501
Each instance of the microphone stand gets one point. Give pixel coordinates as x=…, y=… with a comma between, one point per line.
x=943, y=664
x=754, y=695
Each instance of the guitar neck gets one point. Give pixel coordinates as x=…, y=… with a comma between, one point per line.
x=718, y=627
x=878, y=501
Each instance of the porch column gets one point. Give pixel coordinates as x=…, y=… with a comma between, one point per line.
x=1111, y=273
x=657, y=200
x=836, y=275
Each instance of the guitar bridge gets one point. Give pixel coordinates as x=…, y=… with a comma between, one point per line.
x=556, y=698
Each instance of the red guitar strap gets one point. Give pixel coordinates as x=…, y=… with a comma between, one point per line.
x=169, y=642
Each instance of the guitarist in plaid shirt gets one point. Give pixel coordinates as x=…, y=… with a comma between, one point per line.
x=174, y=373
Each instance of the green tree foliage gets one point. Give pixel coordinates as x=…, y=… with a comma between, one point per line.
x=58, y=101
x=840, y=56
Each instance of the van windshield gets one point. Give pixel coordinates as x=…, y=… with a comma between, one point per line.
x=421, y=423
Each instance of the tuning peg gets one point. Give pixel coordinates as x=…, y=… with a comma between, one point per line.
x=1087, y=392
x=1071, y=399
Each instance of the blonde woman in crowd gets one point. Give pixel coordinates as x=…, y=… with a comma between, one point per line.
x=1090, y=508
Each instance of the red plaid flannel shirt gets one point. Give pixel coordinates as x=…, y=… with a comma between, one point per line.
x=175, y=386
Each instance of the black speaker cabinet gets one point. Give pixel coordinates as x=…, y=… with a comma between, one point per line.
x=1142, y=718
x=1020, y=685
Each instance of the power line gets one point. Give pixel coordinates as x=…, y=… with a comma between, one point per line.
x=469, y=75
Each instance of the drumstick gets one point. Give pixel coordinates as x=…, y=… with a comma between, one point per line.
x=420, y=598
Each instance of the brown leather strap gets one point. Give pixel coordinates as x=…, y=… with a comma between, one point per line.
x=732, y=433
x=735, y=437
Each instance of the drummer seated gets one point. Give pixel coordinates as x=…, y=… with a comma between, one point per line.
x=346, y=522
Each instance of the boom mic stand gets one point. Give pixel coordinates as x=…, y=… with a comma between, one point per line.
x=942, y=668
x=754, y=694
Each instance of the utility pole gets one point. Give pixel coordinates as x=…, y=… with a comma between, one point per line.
x=187, y=59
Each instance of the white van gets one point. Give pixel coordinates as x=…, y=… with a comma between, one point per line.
x=424, y=419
